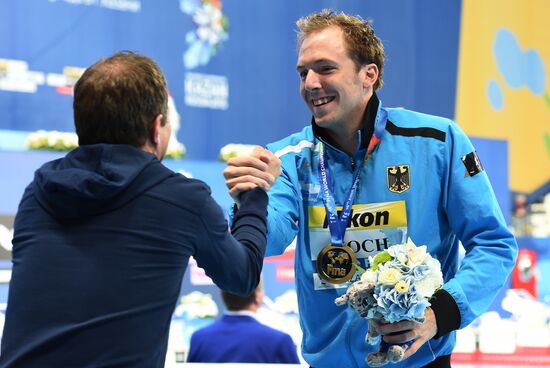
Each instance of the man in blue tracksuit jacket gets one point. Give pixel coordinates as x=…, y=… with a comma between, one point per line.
x=418, y=176
x=103, y=236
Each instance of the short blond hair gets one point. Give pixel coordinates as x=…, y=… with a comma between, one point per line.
x=363, y=46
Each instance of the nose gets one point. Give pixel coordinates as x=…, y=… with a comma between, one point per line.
x=311, y=81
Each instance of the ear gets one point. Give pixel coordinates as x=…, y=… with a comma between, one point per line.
x=257, y=298
x=370, y=75
x=155, y=129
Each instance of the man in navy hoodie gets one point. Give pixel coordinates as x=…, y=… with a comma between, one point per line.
x=103, y=236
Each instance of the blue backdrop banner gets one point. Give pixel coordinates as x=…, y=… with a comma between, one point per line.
x=230, y=65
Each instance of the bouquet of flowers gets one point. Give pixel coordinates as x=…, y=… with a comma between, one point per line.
x=66, y=141
x=396, y=286
x=196, y=305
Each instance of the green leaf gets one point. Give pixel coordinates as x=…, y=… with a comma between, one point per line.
x=381, y=258
x=359, y=268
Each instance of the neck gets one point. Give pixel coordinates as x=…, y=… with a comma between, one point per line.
x=151, y=148
x=346, y=140
x=242, y=312
x=345, y=136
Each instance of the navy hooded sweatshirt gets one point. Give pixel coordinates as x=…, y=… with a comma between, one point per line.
x=101, y=242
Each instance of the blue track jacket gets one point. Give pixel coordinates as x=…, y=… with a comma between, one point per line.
x=423, y=181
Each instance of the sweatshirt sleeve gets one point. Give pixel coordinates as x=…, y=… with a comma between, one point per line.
x=476, y=218
x=233, y=259
x=282, y=214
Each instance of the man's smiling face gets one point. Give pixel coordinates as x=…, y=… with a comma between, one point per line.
x=330, y=83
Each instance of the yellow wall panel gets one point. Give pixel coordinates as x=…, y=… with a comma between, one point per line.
x=503, y=82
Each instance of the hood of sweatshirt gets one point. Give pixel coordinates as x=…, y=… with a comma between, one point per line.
x=95, y=179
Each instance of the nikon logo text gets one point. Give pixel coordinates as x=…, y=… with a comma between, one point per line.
x=364, y=219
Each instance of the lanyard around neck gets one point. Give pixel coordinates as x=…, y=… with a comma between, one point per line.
x=338, y=224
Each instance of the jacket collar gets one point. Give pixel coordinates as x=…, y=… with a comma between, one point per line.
x=367, y=124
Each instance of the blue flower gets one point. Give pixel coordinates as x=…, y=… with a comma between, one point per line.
x=394, y=263
x=395, y=306
x=421, y=271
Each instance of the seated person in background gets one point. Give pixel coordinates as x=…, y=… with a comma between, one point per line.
x=239, y=338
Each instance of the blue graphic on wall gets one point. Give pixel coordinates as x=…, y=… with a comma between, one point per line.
x=211, y=31
x=519, y=68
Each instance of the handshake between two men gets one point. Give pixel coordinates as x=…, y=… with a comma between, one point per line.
x=259, y=169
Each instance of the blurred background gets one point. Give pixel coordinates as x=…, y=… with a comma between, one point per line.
x=230, y=67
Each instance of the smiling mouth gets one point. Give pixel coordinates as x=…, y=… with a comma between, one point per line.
x=321, y=101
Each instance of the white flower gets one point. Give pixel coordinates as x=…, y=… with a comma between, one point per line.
x=401, y=258
x=405, y=277
x=402, y=287
x=389, y=276
x=369, y=277
x=53, y=140
x=433, y=263
x=36, y=140
x=175, y=149
x=70, y=140
x=416, y=256
x=287, y=303
x=427, y=286
x=6, y=236
x=196, y=304
x=235, y=150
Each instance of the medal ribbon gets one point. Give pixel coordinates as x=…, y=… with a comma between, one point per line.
x=337, y=225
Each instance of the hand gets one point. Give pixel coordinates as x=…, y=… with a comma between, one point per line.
x=243, y=173
x=405, y=331
x=273, y=162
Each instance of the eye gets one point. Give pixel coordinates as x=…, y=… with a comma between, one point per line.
x=326, y=69
x=302, y=74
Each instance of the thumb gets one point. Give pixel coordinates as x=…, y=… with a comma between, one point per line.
x=266, y=157
x=257, y=151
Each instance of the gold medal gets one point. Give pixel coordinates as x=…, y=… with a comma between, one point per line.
x=336, y=264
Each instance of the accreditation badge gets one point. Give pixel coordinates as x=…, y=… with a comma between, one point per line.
x=336, y=264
